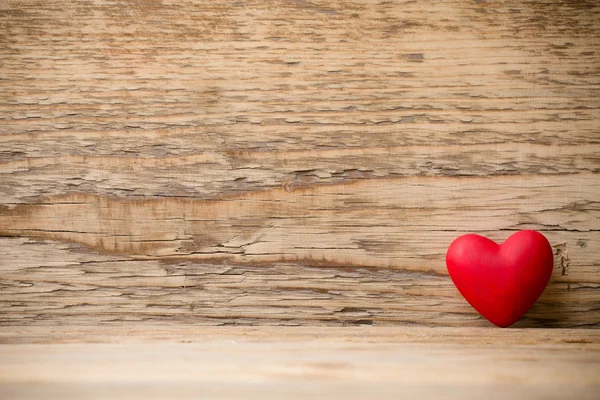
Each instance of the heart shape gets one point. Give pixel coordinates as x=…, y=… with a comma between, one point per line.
x=503, y=281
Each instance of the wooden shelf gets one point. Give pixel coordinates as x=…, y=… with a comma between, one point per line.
x=299, y=363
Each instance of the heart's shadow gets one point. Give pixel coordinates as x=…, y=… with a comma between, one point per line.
x=551, y=310
x=557, y=307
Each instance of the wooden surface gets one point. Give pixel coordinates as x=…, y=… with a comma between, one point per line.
x=302, y=363
x=291, y=162
x=170, y=165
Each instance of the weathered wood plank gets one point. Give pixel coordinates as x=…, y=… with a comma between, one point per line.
x=395, y=223
x=54, y=284
x=210, y=174
x=291, y=162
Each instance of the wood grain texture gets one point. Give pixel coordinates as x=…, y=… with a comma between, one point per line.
x=291, y=162
x=303, y=363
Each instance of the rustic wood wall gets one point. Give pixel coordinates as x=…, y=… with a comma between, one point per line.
x=291, y=162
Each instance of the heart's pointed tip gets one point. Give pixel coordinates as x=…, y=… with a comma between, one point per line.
x=504, y=325
x=504, y=321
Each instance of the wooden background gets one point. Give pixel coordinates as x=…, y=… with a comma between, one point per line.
x=291, y=162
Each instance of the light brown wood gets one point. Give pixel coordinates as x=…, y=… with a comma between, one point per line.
x=291, y=162
x=157, y=333
x=302, y=363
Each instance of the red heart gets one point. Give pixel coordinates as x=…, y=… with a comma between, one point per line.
x=501, y=281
